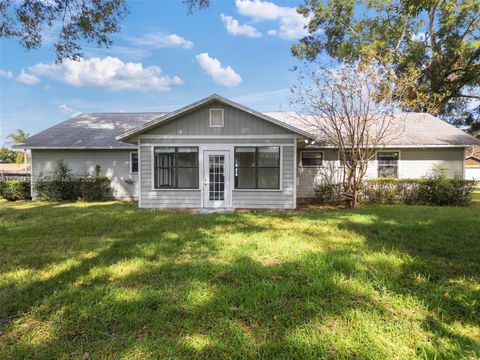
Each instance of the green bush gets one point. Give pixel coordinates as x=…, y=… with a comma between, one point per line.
x=14, y=190
x=435, y=189
x=63, y=186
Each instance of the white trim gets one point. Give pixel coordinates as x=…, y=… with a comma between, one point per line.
x=77, y=147
x=227, y=200
x=139, y=179
x=32, y=180
x=295, y=169
x=311, y=166
x=463, y=162
x=280, y=168
x=131, y=162
x=153, y=168
x=195, y=105
x=223, y=137
x=210, y=118
x=398, y=162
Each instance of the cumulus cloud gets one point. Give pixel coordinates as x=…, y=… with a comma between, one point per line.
x=292, y=24
x=109, y=73
x=26, y=78
x=161, y=40
x=225, y=76
x=235, y=28
x=65, y=109
x=6, y=74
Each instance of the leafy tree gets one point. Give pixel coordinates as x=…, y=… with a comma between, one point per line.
x=429, y=47
x=7, y=155
x=17, y=137
x=69, y=21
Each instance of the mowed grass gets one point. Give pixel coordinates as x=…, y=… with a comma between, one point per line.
x=108, y=280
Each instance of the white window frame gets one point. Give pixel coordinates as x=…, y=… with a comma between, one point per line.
x=223, y=119
x=312, y=166
x=131, y=162
x=398, y=161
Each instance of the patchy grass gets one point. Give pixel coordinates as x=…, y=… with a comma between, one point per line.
x=107, y=280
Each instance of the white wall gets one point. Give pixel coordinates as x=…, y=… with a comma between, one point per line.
x=414, y=163
x=114, y=164
x=472, y=174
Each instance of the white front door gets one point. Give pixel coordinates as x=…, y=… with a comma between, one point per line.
x=216, y=179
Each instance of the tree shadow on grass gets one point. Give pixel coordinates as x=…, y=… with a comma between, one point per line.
x=153, y=286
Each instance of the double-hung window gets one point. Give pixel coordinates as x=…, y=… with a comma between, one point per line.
x=257, y=167
x=388, y=164
x=175, y=168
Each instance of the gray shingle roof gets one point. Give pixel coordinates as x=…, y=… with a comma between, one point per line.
x=96, y=130
x=407, y=129
x=99, y=130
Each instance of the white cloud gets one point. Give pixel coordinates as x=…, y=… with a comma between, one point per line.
x=6, y=74
x=221, y=75
x=272, y=32
x=65, y=109
x=26, y=78
x=161, y=40
x=292, y=24
x=109, y=73
x=235, y=28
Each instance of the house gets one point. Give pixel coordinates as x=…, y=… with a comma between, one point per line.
x=217, y=153
x=472, y=168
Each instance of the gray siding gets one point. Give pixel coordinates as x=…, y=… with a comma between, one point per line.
x=114, y=164
x=414, y=163
x=162, y=198
x=271, y=199
x=236, y=122
x=282, y=199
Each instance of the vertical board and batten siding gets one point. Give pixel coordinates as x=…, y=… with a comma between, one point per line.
x=236, y=122
x=414, y=163
x=150, y=198
x=115, y=164
x=270, y=199
x=238, y=125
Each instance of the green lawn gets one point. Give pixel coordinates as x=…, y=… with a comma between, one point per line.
x=107, y=280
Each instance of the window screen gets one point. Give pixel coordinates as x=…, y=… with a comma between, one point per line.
x=312, y=158
x=257, y=167
x=176, y=167
x=388, y=164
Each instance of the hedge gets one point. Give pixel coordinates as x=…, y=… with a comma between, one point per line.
x=436, y=189
x=87, y=188
x=14, y=190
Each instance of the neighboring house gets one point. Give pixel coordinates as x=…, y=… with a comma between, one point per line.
x=472, y=168
x=217, y=153
x=9, y=171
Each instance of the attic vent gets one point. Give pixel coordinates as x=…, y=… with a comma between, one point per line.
x=216, y=117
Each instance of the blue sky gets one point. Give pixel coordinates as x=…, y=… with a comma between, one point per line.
x=161, y=60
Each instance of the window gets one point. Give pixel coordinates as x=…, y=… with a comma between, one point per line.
x=216, y=117
x=348, y=156
x=134, y=162
x=175, y=168
x=312, y=158
x=257, y=167
x=388, y=164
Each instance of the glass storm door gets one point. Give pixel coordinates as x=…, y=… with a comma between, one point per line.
x=216, y=185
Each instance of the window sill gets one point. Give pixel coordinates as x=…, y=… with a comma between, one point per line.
x=166, y=189
x=257, y=190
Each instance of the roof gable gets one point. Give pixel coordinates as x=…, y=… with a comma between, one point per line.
x=202, y=104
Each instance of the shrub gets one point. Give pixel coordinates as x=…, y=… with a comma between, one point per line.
x=63, y=186
x=435, y=189
x=14, y=190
